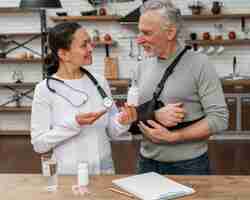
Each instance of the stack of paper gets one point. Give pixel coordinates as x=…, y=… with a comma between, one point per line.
x=153, y=186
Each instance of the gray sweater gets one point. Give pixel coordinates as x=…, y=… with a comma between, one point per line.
x=193, y=82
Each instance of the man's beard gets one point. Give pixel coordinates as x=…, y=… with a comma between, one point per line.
x=150, y=51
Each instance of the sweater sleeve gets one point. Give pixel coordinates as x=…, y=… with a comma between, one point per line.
x=212, y=98
x=44, y=136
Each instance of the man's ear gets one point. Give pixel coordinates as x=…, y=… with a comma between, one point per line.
x=62, y=54
x=171, y=32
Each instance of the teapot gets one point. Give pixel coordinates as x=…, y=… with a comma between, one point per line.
x=216, y=7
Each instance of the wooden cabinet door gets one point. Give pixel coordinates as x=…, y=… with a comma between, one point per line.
x=245, y=113
x=125, y=154
x=119, y=94
x=229, y=157
x=232, y=106
x=17, y=155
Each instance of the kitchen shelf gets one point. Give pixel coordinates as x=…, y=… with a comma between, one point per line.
x=86, y=18
x=103, y=43
x=18, y=85
x=14, y=132
x=119, y=82
x=15, y=109
x=18, y=34
x=220, y=42
x=216, y=17
x=201, y=17
x=20, y=61
x=16, y=10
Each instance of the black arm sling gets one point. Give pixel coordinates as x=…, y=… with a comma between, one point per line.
x=146, y=110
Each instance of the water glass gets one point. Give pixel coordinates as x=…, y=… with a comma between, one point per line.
x=49, y=172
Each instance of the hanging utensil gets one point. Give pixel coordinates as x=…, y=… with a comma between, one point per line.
x=139, y=56
x=234, y=66
x=131, y=51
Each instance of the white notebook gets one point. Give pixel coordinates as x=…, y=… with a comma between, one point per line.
x=152, y=186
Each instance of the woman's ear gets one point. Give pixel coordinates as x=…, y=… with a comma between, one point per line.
x=171, y=32
x=62, y=54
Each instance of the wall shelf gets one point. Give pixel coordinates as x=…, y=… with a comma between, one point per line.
x=119, y=82
x=201, y=17
x=18, y=85
x=85, y=18
x=15, y=109
x=220, y=42
x=216, y=17
x=14, y=132
x=103, y=43
x=20, y=61
x=16, y=10
x=19, y=34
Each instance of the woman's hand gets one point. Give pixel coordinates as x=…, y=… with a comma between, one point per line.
x=127, y=115
x=89, y=118
x=170, y=115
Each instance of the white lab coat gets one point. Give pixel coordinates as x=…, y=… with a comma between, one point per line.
x=53, y=125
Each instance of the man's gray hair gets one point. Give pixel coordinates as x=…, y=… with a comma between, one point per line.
x=169, y=13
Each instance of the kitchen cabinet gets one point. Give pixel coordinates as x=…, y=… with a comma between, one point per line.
x=232, y=107
x=245, y=113
x=17, y=154
x=119, y=90
x=125, y=154
x=237, y=95
x=230, y=156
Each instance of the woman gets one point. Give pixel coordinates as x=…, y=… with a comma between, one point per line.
x=68, y=110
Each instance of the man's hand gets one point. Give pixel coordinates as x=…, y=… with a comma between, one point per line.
x=127, y=115
x=170, y=115
x=89, y=118
x=157, y=133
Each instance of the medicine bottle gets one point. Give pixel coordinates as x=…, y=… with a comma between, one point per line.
x=133, y=92
x=83, y=174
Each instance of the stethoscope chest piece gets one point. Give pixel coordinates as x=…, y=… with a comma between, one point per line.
x=107, y=102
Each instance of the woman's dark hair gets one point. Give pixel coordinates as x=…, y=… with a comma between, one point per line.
x=59, y=37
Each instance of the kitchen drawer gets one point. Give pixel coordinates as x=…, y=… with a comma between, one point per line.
x=232, y=107
x=236, y=88
x=245, y=113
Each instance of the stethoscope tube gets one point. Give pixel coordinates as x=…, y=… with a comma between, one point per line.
x=108, y=102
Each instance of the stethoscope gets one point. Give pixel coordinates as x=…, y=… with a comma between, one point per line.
x=107, y=101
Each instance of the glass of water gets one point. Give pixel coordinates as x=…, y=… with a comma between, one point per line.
x=49, y=172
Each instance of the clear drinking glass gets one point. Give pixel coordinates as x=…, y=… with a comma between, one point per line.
x=49, y=172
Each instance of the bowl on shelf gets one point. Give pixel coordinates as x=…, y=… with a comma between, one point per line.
x=2, y=55
x=89, y=13
x=61, y=14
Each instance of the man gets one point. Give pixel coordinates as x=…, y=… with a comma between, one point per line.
x=192, y=95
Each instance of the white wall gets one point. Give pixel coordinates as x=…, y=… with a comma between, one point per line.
x=30, y=23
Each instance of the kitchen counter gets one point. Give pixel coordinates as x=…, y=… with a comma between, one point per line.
x=245, y=82
x=29, y=187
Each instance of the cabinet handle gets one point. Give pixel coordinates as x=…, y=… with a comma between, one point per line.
x=231, y=100
x=113, y=88
x=239, y=87
x=246, y=100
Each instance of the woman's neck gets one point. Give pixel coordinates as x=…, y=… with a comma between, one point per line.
x=67, y=72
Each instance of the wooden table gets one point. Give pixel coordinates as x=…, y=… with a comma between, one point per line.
x=30, y=187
